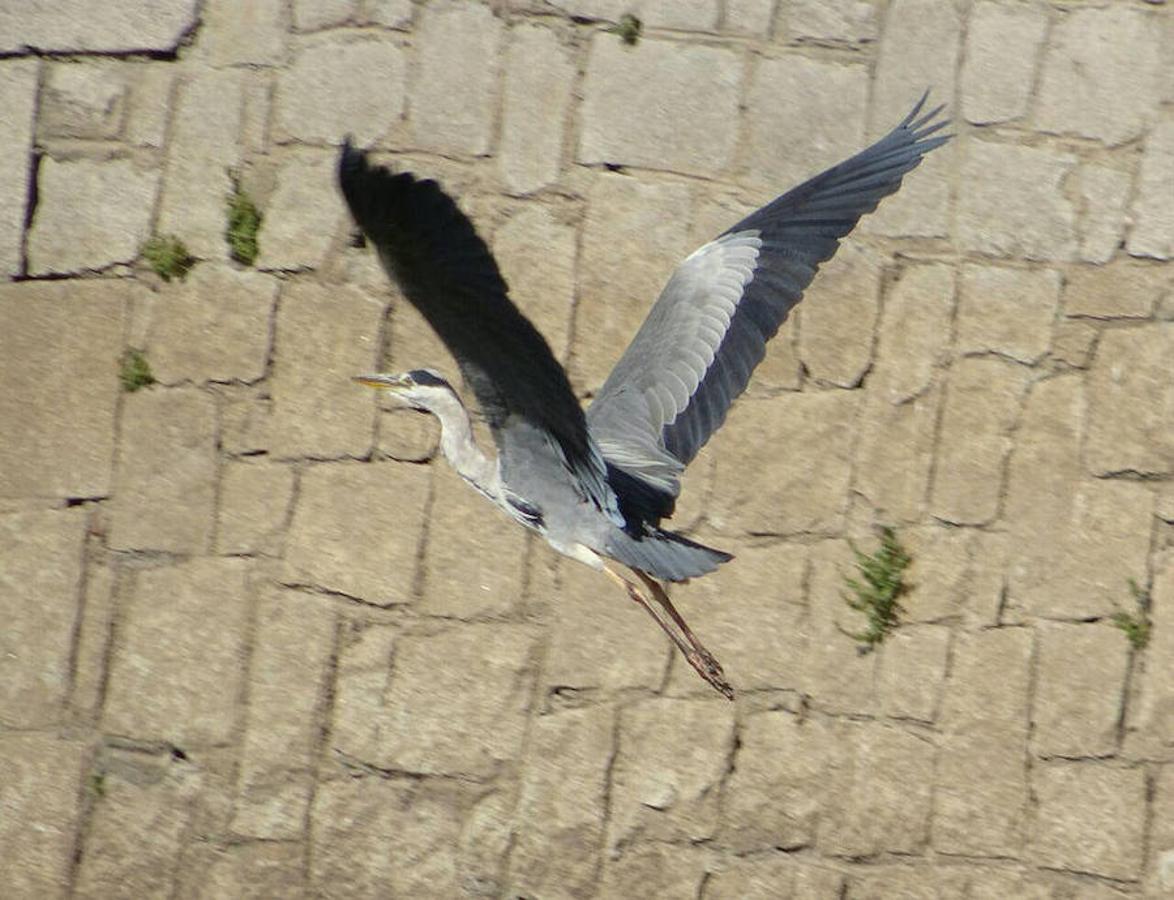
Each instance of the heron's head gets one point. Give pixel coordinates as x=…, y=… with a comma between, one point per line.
x=422, y=389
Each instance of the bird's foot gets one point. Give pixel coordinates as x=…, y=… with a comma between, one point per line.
x=707, y=666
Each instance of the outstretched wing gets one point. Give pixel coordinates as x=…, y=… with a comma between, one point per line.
x=430, y=248
x=708, y=330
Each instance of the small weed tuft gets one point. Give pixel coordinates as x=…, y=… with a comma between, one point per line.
x=168, y=257
x=1136, y=626
x=628, y=28
x=135, y=373
x=875, y=593
x=244, y=221
x=98, y=784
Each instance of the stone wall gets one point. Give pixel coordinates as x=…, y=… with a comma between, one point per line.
x=256, y=642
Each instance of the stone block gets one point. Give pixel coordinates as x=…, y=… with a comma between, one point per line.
x=59, y=350
x=1072, y=342
x=1104, y=194
x=18, y=98
x=165, y=485
x=455, y=80
x=180, y=652
x=660, y=105
x=358, y=529
x=1119, y=290
x=373, y=837
x=288, y=680
x=138, y=826
x=804, y=115
x=658, y=792
x=1101, y=74
x=1153, y=222
x=1090, y=818
x=983, y=398
x=86, y=26
x=837, y=321
x=769, y=877
x=302, y=215
x=560, y=815
x=246, y=414
x=452, y=703
x=849, y=21
x=670, y=871
x=254, y=507
x=633, y=237
x=955, y=573
x=539, y=75
x=252, y=871
x=1162, y=833
x=895, y=453
x=600, y=639
x=234, y=34
x=390, y=13
x=914, y=332
x=203, y=149
x=536, y=253
x=752, y=17
x=1015, y=205
x=1131, y=400
x=40, y=794
x=803, y=490
x=86, y=101
x=149, y=109
x=213, y=326
x=919, y=47
x=90, y=214
x=338, y=85
x=474, y=565
x=310, y=15
x=1007, y=311
x=1002, y=52
x=1074, y=541
x=912, y=671
x=40, y=589
x=1151, y=712
x=1080, y=687
x=325, y=336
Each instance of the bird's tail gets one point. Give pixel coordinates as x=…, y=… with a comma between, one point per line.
x=665, y=554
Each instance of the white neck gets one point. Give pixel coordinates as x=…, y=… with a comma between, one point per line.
x=459, y=447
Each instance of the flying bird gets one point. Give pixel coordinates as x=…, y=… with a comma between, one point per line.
x=598, y=484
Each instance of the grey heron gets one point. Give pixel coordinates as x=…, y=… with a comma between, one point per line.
x=597, y=484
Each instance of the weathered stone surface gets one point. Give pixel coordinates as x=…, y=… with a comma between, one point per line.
x=317, y=96
x=672, y=871
x=983, y=397
x=753, y=17
x=59, y=351
x=919, y=47
x=1101, y=74
x=539, y=74
x=213, y=326
x=301, y=215
x=40, y=589
x=1015, y=205
x=390, y=13
x=912, y=671
x=455, y=78
x=685, y=14
x=1079, y=690
x=372, y=837
x=324, y=337
x=254, y=33
x=1131, y=398
x=1151, y=712
x=134, y=839
x=1007, y=311
x=1074, y=541
x=1121, y=289
x=165, y=487
x=536, y=253
x=204, y=147
x=252, y=871
x=379, y=508
x=83, y=101
x=39, y=794
x=1091, y=818
x=1072, y=342
x=852, y=21
x=90, y=214
x=633, y=238
x=150, y=106
x=895, y=453
x=1161, y=874
x=79, y=25
x=914, y=331
x=659, y=793
x=804, y=490
x=1104, y=192
x=455, y=703
x=981, y=791
x=837, y=321
x=954, y=573
x=560, y=807
x=310, y=15
x=1002, y=49
x=287, y=685
x=93, y=643
x=18, y=96
x=1153, y=229
x=177, y=665
x=804, y=116
x=660, y=105
x=254, y=507
x=771, y=877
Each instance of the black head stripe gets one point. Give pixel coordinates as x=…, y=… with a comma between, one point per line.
x=424, y=377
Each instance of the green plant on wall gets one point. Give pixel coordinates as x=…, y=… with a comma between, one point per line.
x=134, y=371
x=628, y=28
x=876, y=591
x=168, y=257
x=1136, y=626
x=244, y=221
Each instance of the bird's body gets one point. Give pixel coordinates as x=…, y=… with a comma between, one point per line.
x=597, y=485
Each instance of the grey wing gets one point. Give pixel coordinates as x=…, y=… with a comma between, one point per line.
x=708, y=330
x=448, y=273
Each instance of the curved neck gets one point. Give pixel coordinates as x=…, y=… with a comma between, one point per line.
x=459, y=447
